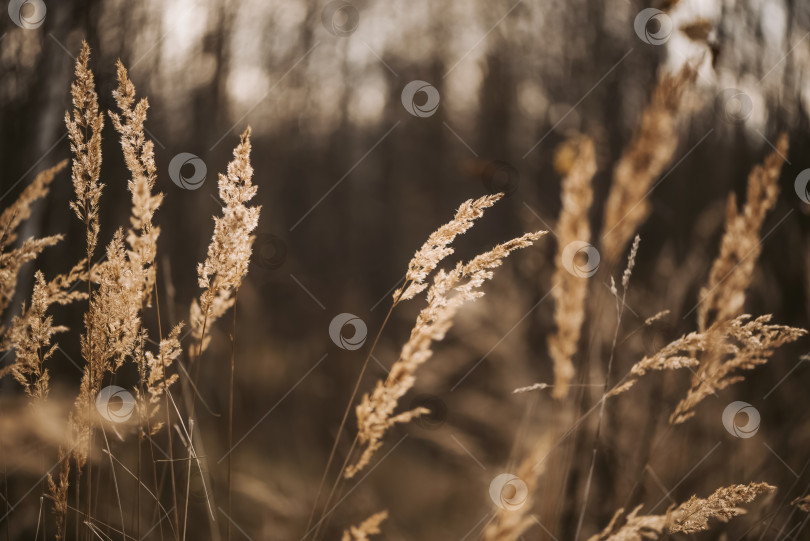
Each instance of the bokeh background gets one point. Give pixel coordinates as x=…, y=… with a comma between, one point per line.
x=351, y=184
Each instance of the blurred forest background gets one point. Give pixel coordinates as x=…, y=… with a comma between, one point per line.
x=351, y=184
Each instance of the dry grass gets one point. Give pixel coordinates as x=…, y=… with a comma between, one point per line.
x=367, y=528
x=692, y=516
x=120, y=287
x=642, y=162
x=723, y=297
x=121, y=291
x=448, y=293
x=569, y=291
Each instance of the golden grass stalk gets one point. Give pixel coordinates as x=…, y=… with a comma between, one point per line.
x=226, y=264
x=112, y=326
x=59, y=493
x=677, y=354
x=84, y=132
x=425, y=260
x=652, y=319
x=139, y=157
x=723, y=297
x=20, y=210
x=437, y=246
x=450, y=290
x=729, y=343
x=30, y=336
x=12, y=261
x=126, y=278
x=651, y=150
x=692, y=516
x=569, y=293
x=367, y=528
x=747, y=345
x=138, y=150
x=153, y=373
x=142, y=239
x=743, y=344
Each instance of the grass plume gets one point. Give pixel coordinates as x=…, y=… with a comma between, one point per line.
x=570, y=291
x=449, y=291
x=692, y=516
x=367, y=528
x=651, y=150
x=723, y=297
